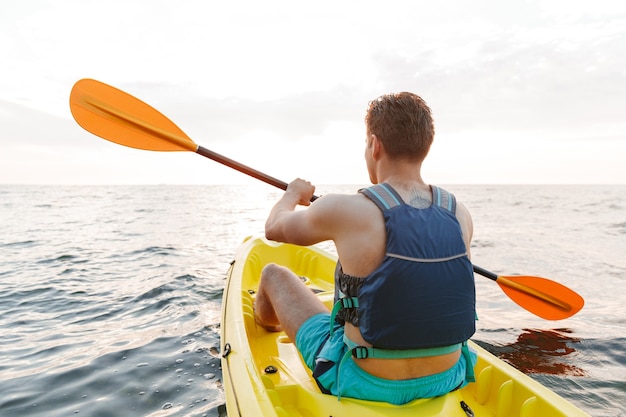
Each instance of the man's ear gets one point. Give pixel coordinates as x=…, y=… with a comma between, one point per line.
x=377, y=147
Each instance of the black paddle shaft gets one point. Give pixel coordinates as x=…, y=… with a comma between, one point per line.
x=485, y=273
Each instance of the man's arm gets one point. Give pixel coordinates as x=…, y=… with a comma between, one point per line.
x=300, y=227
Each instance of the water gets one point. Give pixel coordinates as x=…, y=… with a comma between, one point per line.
x=111, y=296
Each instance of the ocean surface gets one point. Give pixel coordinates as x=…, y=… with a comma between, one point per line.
x=110, y=296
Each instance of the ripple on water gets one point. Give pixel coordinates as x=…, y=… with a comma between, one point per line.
x=169, y=373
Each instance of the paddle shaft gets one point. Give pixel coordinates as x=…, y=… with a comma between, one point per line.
x=485, y=273
x=244, y=169
x=523, y=288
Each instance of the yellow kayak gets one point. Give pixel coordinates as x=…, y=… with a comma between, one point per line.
x=264, y=375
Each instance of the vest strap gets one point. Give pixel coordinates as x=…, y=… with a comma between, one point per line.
x=343, y=302
x=469, y=368
x=444, y=199
x=384, y=196
x=364, y=352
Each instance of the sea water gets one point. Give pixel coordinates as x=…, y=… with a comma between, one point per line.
x=110, y=296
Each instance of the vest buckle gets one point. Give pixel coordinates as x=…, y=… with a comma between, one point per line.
x=360, y=352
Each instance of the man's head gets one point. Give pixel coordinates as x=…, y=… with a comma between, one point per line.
x=403, y=124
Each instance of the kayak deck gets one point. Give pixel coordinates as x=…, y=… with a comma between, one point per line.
x=264, y=374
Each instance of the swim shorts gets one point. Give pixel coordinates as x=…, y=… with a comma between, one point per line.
x=322, y=353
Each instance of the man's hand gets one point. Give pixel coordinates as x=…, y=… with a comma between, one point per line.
x=302, y=189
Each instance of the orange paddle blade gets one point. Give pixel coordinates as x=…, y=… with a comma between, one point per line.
x=542, y=297
x=121, y=118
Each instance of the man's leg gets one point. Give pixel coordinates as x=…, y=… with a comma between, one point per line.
x=284, y=301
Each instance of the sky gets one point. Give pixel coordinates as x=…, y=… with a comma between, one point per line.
x=523, y=92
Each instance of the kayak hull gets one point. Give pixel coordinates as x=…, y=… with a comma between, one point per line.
x=264, y=375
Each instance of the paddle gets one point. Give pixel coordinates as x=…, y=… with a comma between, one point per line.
x=541, y=296
x=121, y=118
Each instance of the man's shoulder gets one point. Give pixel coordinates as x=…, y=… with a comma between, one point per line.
x=353, y=198
x=344, y=207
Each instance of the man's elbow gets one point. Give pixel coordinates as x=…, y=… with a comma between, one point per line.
x=271, y=233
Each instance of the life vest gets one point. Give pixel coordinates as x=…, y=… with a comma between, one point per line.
x=421, y=299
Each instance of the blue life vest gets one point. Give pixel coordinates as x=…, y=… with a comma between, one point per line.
x=422, y=296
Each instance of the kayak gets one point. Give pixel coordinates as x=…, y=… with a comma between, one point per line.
x=264, y=375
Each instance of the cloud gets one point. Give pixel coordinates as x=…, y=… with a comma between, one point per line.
x=519, y=78
x=23, y=125
x=237, y=76
x=291, y=116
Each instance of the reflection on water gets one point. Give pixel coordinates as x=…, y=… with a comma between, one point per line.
x=541, y=352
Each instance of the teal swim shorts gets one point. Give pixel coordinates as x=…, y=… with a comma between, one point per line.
x=322, y=353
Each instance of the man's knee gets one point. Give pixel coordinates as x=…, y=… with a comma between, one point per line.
x=271, y=269
x=275, y=270
x=274, y=273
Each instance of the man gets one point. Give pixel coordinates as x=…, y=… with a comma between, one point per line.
x=404, y=282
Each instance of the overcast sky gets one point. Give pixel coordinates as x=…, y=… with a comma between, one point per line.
x=521, y=92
